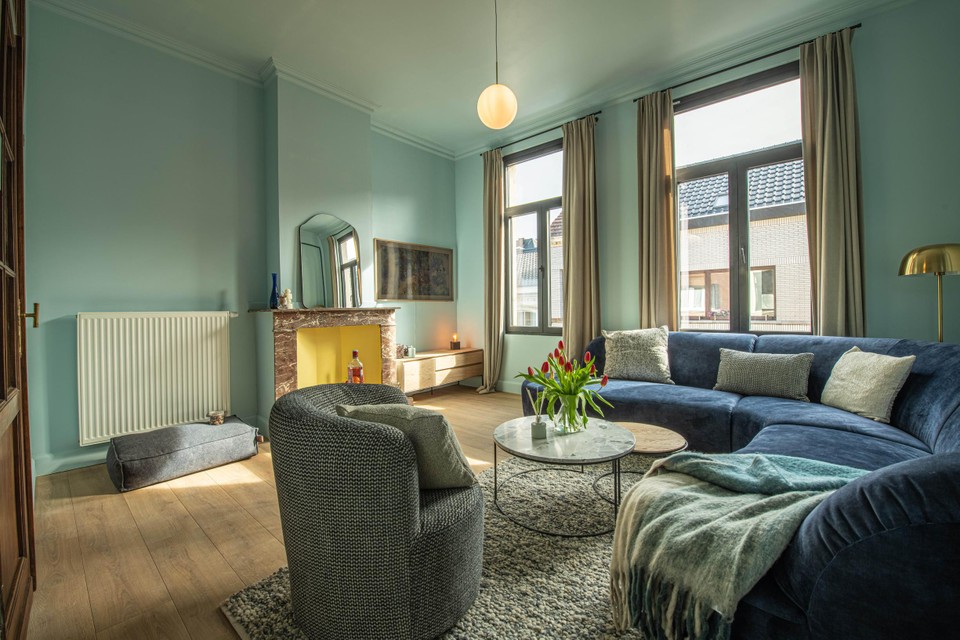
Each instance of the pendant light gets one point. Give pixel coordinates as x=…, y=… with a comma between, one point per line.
x=497, y=106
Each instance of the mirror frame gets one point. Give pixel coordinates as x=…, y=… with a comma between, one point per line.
x=356, y=242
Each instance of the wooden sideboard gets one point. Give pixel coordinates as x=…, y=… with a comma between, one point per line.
x=429, y=369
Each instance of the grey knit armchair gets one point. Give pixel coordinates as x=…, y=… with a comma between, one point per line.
x=370, y=555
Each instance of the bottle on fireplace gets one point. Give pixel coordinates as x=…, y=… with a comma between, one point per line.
x=355, y=369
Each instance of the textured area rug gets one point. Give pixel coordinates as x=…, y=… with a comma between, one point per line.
x=533, y=585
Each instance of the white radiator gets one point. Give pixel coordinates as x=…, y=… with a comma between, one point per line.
x=143, y=371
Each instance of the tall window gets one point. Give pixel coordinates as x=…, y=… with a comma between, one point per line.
x=349, y=268
x=744, y=264
x=534, y=221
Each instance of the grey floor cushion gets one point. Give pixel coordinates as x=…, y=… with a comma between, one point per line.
x=142, y=459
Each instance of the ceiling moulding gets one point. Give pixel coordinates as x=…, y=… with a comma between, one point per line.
x=130, y=31
x=744, y=51
x=274, y=68
x=412, y=140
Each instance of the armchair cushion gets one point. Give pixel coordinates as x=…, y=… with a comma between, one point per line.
x=440, y=461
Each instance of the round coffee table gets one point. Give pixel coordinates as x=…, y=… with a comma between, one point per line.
x=651, y=441
x=599, y=443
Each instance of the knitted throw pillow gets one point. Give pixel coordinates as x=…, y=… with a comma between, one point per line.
x=638, y=355
x=866, y=383
x=440, y=461
x=765, y=374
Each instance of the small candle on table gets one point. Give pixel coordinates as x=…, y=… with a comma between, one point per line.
x=455, y=343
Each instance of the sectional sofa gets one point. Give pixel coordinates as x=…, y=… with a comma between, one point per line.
x=879, y=558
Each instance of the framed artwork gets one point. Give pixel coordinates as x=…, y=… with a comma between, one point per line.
x=412, y=271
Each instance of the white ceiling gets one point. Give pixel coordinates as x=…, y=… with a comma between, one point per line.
x=421, y=64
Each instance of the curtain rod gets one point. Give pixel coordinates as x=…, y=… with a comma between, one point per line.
x=741, y=64
x=540, y=133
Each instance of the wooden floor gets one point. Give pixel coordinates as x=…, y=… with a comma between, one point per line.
x=157, y=562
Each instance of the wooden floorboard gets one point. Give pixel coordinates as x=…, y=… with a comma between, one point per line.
x=157, y=562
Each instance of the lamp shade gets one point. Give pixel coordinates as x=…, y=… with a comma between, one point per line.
x=497, y=106
x=931, y=259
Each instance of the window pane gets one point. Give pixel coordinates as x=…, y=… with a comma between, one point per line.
x=555, y=231
x=779, y=261
x=766, y=118
x=348, y=248
x=536, y=179
x=704, y=253
x=525, y=267
x=349, y=275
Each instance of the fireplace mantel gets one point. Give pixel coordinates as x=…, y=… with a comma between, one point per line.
x=286, y=323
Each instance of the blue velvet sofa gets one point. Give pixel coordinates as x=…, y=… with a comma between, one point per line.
x=880, y=558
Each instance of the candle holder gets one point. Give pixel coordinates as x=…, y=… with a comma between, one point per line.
x=455, y=343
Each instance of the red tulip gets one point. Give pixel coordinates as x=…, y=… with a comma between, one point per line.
x=568, y=367
x=556, y=353
x=593, y=369
x=545, y=367
x=530, y=371
x=604, y=380
x=562, y=361
x=560, y=344
x=586, y=357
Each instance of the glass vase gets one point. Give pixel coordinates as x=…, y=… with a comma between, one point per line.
x=568, y=418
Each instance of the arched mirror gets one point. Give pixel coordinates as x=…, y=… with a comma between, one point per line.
x=329, y=263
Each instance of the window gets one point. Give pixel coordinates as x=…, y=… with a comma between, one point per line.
x=534, y=234
x=349, y=268
x=743, y=257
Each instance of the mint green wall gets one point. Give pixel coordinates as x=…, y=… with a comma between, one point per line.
x=413, y=202
x=144, y=191
x=323, y=166
x=910, y=132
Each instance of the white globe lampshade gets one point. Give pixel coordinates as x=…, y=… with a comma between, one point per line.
x=497, y=106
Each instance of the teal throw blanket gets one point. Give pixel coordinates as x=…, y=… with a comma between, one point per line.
x=698, y=532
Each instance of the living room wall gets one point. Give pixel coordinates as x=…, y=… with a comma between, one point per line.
x=413, y=202
x=907, y=130
x=144, y=192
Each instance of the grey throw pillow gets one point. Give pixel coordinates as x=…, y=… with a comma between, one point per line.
x=638, y=355
x=440, y=461
x=866, y=383
x=765, y=374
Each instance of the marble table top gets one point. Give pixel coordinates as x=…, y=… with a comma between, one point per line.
x=601, y=441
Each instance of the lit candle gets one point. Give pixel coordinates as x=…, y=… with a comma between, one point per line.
x=455, y=343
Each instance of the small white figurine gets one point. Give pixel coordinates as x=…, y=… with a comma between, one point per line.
x=286, y=300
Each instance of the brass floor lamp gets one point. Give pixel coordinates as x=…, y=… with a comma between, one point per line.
x=935, y=259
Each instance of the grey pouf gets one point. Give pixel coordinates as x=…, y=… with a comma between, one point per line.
x=141, y=459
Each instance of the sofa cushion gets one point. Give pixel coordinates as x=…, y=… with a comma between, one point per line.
x=930, y=395
x=440, y=461
x=866, y=383
x=702, y=416
x=826, y=351
x=831, y=445
x=754, y=413
x=695, y=357
x=764, y=374
x=638, y=355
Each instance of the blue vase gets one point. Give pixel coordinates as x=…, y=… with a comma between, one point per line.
x=275, y=294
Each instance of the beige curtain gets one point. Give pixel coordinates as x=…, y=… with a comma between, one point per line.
x=581, y=260
x=493, y=269
x=832, y=177
x=658, y=218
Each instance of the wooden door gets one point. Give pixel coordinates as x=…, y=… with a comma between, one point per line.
x=17, y=571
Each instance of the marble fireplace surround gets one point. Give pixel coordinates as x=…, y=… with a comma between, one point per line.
x=286, y=323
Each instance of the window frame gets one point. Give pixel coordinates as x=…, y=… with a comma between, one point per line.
x=542, y=209
x=351, y=266
x=738, y=219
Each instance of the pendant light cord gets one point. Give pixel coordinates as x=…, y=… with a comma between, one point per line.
x=496, y=43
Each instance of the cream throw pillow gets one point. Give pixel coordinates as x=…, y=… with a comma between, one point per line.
x=440, y=461
x=866, y=383
x=638, y=355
